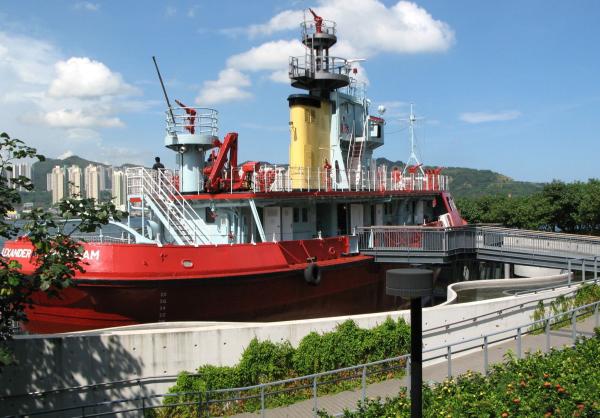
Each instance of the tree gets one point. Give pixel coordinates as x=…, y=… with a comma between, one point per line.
x=588, y=213
x=57, y=256
x=563, y=200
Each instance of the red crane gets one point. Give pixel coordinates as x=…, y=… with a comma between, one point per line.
x=230, y=179
x=318, y=21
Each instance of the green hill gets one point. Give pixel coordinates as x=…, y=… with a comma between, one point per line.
x=469, y=182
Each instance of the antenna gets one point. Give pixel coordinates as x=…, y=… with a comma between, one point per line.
x=413, y=146
x=164, y=92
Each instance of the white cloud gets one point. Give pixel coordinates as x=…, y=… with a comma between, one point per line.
x=369, y=27
x=66, y=155
x=228, y=87
x=78, y=118
x=365, y=28
x=272, y=55
x=281, y=76
x=288, y=19
x=82, y=134
x=84, y=78
x=24, y=60
x=482, y=117
x=88, y=6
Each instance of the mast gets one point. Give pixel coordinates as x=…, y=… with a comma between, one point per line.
x=412, y=159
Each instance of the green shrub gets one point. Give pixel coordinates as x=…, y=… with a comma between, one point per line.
x=389, y=339
x=350, y=345
x=264, y=361
x=331, y=350
x=586, y=294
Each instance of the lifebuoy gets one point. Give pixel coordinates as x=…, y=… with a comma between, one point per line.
x=312, y=274
x=331, y=250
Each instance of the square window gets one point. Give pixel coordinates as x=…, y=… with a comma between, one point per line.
x=304, y=214
x=296, y=215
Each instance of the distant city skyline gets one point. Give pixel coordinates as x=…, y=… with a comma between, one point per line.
x=72, y=180
x=507, y=86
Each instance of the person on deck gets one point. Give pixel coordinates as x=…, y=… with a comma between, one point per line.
x=157, y=164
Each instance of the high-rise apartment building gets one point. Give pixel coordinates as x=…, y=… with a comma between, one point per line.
x=92, y=181
x=119, y=189
x=75, y=175
x=17, y=170
x=58, y=177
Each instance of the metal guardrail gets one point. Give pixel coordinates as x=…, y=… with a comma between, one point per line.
x=192, y=120
x=204, y=400
x=273, y=178
x=286, y=179
x=486, y=242
x=310, y=28
x=308, y=66
x=101, y=239
x=157, y=187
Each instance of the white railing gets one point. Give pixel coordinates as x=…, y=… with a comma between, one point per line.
x=100, y=239
x=287, y=179
x=273, y=178
x=192, y=120
x=310, y=28
x=307, y=66
x=158, y=189
x=445, y=241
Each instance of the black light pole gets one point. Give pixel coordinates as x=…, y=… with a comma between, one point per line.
x=413, y=284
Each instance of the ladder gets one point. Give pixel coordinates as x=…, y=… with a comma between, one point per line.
x=156, y=188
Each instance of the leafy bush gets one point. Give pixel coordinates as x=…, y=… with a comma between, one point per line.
x=560, y=383
x=265, y=361
x=586, y=294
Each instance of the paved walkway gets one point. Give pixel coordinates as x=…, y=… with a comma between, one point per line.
x=335, y=404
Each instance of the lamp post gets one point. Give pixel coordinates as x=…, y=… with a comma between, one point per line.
x=413, y=284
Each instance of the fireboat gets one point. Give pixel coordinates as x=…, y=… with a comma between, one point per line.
x=224, y=241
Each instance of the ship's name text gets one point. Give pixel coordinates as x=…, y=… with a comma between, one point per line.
x=26, y=253
x=16, y=252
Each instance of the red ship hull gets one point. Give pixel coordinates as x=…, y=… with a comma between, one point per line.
x=132, y=284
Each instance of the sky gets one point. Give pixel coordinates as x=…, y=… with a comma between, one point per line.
x=511, y=86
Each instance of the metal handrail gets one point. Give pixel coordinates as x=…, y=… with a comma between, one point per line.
x=308, y=65
x=309, y=27
x=157, y=186
x=204, y=122
x=272, y=178
x=481, y=238
x=447, y=348
x=184, y=211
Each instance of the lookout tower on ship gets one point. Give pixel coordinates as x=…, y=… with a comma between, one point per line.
x=330, y=125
